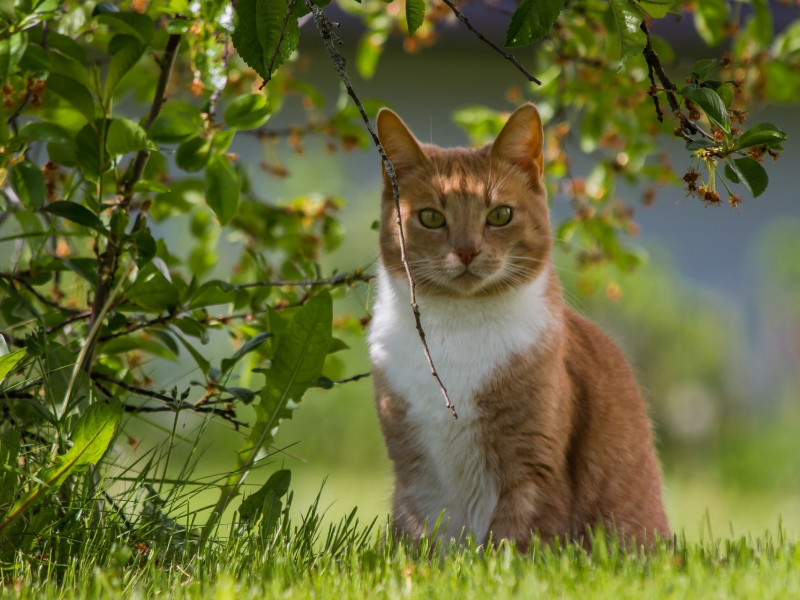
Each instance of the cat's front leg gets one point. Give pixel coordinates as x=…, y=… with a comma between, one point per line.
x=514, y=516
x=527, y=508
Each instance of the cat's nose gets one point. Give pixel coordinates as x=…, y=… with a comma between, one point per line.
x=467, y=254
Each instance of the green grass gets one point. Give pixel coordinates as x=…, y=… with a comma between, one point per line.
x=351, y=561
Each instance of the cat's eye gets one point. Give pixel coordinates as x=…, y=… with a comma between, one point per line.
x=432, y=219
x=499, y=216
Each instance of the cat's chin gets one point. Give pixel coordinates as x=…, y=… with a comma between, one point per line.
x=468, y=284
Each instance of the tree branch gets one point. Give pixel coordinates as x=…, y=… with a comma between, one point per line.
x=346, y=279
x=108, y=260
x=353, y=378
x=212, y=102
x=654, y=66
x=495, y=47
x=286, y=17
x=138, y=326
x=226, y=414
x=329, y=37
x=24, y=282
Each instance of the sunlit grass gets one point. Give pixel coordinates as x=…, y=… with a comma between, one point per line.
x=353, y=561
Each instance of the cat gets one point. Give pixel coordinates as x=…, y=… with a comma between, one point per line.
x=552, y=436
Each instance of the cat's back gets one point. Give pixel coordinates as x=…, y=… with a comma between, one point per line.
x=611, y=455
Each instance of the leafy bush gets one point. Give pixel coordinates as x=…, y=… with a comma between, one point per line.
x=89, y=292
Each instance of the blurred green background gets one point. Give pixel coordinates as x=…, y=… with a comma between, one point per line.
x=711, y=323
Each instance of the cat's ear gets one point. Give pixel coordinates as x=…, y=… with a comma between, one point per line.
x=402, y=148
x=520, y=142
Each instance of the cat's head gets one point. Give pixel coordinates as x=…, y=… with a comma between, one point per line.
x=476, y=221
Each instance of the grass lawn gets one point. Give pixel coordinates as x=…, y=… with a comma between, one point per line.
x=298, y=562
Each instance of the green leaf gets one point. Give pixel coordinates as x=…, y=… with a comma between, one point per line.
x=103, y=8
x=150, y=185
x=762, y=134
x=43, y=131
x=193, y=155
x=9, y=361
x=750, y=172
x=35, y=62
x=130, y=343
x=251, y=344
x=628, y=19
x=212, y=293
x=120, y=41
x=723, y=89
x=248, y=111
x=126, y=136
x=703, y=68
x=269, y=22
x=222, y=140
x=90, y=439
x=122, y=62
x=415, y=15
x=153, y=290
x=74, y=92
x=266, y=502
x=204, y=365
x=178, y=122
x=369, y=50
x=178, y=26
x=28, y=183
x=222, y=188
x=136, y=24
x=299, y=358
x=144, y=245
x=710, y=18
x=708, y=100
x=762, y=22
x=245, y=36
x=58, y=41
x=72, y=211
x=88, y=150
x=277, y=485
x=657, y=9
x=9, y=453
x=532, y=20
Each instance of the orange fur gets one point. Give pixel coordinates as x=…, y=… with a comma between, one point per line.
x=560, y=427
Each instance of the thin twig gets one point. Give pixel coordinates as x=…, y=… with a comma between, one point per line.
x=338, y=280
x=495, y=47
x=40, y=297
x=138, y=326
x=654, y=94
x=654, y=65
x=353, y=378
x=286, y=17
x=78, y=317
x=226, y=414
x=212, y=102
x=330, y=38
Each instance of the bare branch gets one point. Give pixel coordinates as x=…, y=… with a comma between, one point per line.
x=353, y=378
x=289, y=9
x=346, y=279
x=495, y=47
x=226, y=414
x=24, y=282
x=212, y=102
x=138, y=326
x=329, y=37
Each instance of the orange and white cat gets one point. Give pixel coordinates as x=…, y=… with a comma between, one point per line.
x=552, y=436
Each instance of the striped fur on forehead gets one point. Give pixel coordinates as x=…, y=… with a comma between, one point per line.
x=463, y=172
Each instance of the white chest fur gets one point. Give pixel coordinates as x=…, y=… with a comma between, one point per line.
x=468, y=340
